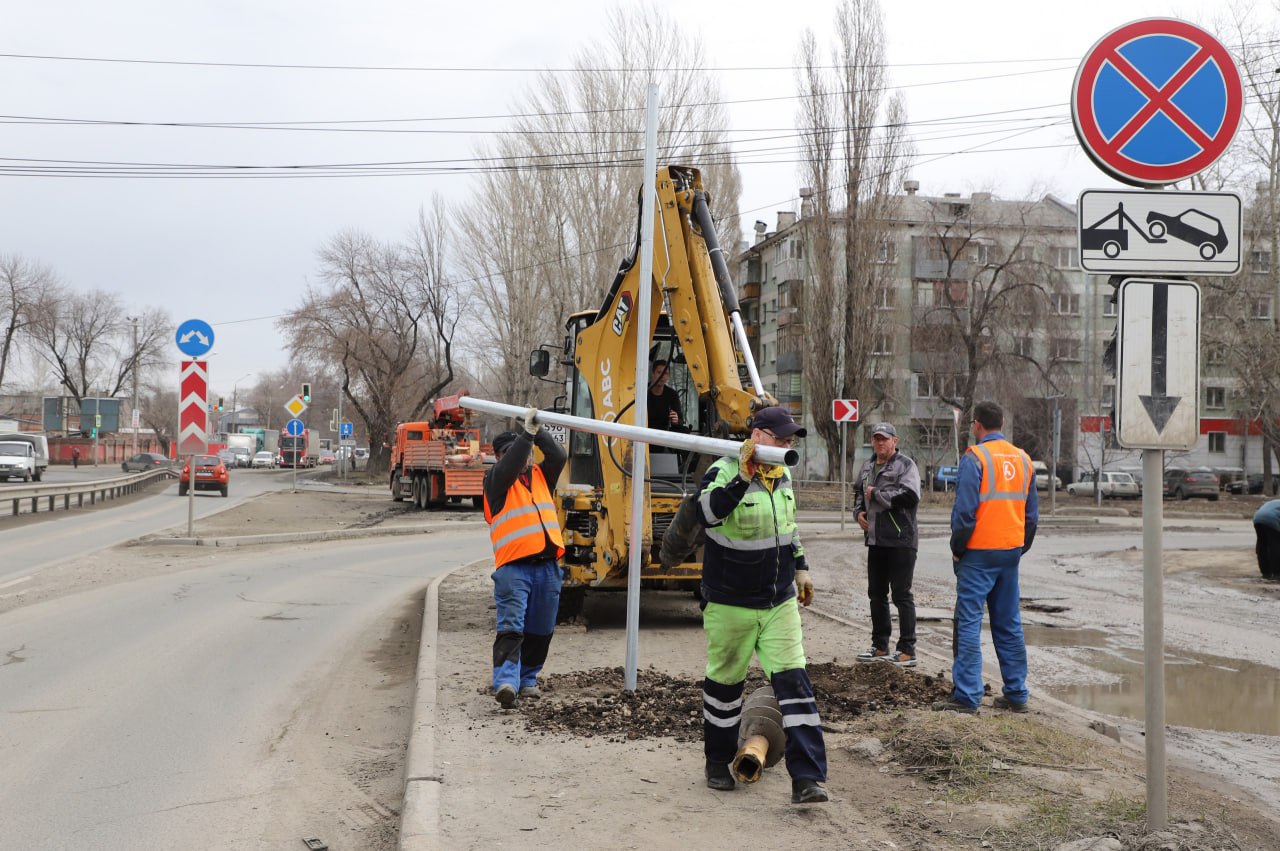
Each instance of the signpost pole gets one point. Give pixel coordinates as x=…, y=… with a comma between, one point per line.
x=844, y=480
x=1153, y=635
x=191, y=496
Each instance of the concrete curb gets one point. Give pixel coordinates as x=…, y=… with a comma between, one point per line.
x=303, y=537
x=420, y=812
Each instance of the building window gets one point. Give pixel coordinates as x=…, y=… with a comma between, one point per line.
x=930, y=386
x=886, y=251
x=1217, y=441
x=1022, y=347
x=1109, y=305
x=1214, y=306
x=934, y=437
x=1066, y=257
x=1215, y=353
x=764, y=353
x=1261, y=307
x=882, y=345
x=884, y=298
x=1064, y=348
x=982, y=253
x=1260, y=261
x=1025, y=254
x=788, y=249
x=1215, y=397
x=1065, y=304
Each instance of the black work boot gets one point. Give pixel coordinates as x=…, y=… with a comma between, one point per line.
x=806, y=791
x=719, y=777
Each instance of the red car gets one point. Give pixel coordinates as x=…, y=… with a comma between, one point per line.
x=211, y=475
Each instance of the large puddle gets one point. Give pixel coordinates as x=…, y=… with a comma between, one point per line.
x=1203, y=691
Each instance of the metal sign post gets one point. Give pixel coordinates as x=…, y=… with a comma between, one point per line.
x=640, y=451
x=1156, y=101
x=844, y=411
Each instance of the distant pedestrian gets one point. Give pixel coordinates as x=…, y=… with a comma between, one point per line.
x=1266, y=524
x=885, y=496
x=993, y=522
x=75, y=457
x=527, y=545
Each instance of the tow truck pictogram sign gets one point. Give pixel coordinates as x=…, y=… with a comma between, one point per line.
x=1182, y=233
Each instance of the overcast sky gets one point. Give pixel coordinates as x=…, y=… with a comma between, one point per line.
x=237, y=250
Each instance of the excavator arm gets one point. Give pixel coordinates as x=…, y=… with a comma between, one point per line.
x=691, y=285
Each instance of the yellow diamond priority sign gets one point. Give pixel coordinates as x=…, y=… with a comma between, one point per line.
x=295, y=406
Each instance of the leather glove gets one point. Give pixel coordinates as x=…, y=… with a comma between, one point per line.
x=804, y=587
x=530, y=420
x=747, y=467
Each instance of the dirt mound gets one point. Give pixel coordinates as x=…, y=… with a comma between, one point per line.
x=593, y=704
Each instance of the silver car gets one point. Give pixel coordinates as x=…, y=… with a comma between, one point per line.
x=1113, y=485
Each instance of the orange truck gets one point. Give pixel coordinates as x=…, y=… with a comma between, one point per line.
x=438, y=461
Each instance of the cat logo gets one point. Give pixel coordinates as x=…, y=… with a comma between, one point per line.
x=620, y=315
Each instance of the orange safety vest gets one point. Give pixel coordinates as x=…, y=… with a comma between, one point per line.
x=528, y=518
x=1002, y=496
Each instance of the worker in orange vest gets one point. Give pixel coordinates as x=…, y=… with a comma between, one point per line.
x=527, y=545
x=993, y=522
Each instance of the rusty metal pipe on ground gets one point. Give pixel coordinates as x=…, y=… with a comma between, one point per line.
x=761, y=739
x=671, y=439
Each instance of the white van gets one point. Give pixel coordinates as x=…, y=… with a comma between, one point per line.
x=39, y=444
x=17, y=460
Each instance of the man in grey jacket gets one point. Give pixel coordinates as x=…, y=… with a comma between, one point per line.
x=885, y=497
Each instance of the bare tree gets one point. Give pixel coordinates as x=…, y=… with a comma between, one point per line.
x=989, y=296
x=546, y=232
x=27, y=295
x=385, y=322
x=855, y=153
x=1252, y=351
x=88, y=341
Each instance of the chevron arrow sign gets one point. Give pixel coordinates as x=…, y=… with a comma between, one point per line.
x=193, y=394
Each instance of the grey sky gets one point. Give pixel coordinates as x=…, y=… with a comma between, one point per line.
x=231, y=249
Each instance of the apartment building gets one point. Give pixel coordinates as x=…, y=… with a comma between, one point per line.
x=972, y=291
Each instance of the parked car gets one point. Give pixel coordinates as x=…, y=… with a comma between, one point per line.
x=265, y=459
x=1184, y=484
x=944, y=479
x=144, y=461
x=1114, y=485
x=1252, y=484
x=211, y=475
x=1041, y=471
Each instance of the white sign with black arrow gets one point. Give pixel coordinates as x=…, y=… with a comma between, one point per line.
x=1158, y=364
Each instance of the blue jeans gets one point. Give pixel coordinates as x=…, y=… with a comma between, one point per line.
x=527, y=596
x=988, y=577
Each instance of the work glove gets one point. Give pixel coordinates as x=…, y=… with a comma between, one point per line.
x=747, y=467
x=804, y=587
x=530, y=420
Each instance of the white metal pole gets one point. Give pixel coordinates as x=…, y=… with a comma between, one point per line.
x=639, y=449
x=134, y=419
x=1153, y=634
x=672, y=439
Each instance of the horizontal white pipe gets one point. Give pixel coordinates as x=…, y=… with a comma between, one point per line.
x=671, y=439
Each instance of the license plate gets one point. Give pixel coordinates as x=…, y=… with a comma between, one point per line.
x=204, y=474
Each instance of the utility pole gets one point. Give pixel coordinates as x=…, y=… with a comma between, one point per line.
x=136, y=420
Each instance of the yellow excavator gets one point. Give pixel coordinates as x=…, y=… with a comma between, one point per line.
x=697, y=329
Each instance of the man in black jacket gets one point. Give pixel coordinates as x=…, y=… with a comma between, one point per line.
x=885, y=497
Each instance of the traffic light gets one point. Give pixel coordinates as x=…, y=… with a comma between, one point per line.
x=306, y=392
x=93, y=432
x=219, y=403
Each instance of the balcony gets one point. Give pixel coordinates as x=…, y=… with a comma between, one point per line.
x=789, y=316
x=749, y=291
x=792, y=361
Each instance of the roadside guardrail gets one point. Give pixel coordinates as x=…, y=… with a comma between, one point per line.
x=104, y=489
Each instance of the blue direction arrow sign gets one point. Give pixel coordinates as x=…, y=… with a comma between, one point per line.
x=344, y=429
x=1156, y=101
x=194, y=337
x=294, y=428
